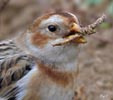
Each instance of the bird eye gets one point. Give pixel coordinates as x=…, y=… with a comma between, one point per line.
x=52, y=28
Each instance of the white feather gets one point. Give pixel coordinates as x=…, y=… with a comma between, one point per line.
x=22, y=84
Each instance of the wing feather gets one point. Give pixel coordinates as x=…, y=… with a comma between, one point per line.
x=14, y=64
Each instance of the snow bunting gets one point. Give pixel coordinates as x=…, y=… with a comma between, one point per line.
x=42, y=64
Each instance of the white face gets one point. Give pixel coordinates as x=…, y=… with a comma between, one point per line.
x=56, y=54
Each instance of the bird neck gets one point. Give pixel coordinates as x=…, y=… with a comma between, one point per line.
x=61, y=77
x=56, y=75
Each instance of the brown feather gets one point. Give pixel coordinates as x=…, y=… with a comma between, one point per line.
x=39, y=39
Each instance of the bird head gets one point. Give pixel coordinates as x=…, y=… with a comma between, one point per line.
x=50, y=29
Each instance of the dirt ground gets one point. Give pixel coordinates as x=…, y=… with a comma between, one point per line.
x=95, y=78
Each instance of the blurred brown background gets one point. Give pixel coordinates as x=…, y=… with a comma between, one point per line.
x=95, y=58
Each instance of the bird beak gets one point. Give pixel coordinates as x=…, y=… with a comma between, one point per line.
x=76, y=29
x=74, y=36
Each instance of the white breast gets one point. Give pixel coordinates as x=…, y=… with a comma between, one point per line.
x=47, y=91
x=55, y=92
x=22, y=84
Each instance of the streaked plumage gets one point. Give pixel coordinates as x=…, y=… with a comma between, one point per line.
x=14, y=64
x=31, y=68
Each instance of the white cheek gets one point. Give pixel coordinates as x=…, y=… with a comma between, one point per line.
x=50, y=53
x=64, y=56
x=55, y=54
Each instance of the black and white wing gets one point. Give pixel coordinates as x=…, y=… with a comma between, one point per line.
x=14, y=64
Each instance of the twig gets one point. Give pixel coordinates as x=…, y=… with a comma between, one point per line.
x=3, y=4
x=88, y=30
x=64, y=41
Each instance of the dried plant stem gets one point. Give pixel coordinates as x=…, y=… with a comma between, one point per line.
x=90, y=29
x=64, y=41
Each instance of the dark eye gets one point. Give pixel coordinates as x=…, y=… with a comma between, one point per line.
x=52, y=28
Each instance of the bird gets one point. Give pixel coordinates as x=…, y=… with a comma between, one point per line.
x=35, y=66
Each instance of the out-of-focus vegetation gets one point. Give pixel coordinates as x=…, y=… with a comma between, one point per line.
x=18, y=14
x=95, y=58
